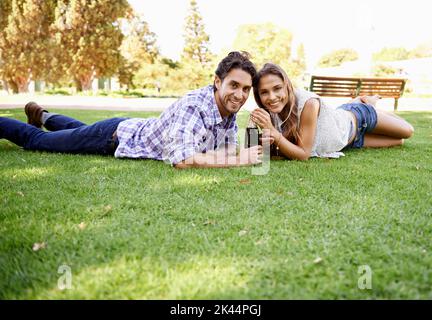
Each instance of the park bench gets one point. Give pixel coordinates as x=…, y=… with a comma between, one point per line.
x=353, y=87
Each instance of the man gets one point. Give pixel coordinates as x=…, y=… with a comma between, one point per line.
x=198, y=130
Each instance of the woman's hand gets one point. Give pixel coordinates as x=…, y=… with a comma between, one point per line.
x=262, y=119
x=267, y=137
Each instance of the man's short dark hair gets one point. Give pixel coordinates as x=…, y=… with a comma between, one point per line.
x=236, y=60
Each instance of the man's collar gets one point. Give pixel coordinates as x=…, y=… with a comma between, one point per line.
x=215, y=109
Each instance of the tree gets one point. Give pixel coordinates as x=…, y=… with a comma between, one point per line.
x=139, y=43
x=298, y=65
x=139, y=49
x=382, y=70
x=196, y=46
x=5, y=8
x=270, y=43
x=423, y=50
x=151, y=75
x=194, y=69
x=25, y=41
x=391, y=54
x=265, y=42
x=88, y=36
x=337, y=57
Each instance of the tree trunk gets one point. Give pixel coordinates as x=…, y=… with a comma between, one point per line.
x=22, y=84
x=5, y=86
x=78, y=85
x=23, y=87
x=84, y=83
x=13, y=86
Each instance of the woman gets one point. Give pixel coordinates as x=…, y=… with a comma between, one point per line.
x=302, y=126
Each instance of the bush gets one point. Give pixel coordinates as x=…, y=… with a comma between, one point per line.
x=61, y=92
x=128, y=94
x=382, y=70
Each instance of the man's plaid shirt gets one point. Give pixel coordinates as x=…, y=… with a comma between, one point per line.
x=191, y=125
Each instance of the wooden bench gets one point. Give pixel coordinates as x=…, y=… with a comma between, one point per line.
x=353, y=87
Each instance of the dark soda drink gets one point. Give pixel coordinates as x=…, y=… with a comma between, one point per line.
x=253, y=137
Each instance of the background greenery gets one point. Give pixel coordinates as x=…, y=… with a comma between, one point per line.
x=143, y=230
x=69, y=43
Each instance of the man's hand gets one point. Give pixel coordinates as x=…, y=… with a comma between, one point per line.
x=222, y=159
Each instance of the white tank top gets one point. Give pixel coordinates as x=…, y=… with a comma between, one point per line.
x=333, y=126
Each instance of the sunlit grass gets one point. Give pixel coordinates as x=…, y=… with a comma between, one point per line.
x=142, y=230
x=143, y=278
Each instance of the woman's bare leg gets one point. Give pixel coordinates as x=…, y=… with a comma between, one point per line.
x=389, y=125
x=379, y=141
x=392, y=126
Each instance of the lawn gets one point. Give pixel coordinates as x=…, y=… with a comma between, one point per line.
x=135, y=229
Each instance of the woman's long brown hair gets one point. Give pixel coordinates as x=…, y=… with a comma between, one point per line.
x=289, y=114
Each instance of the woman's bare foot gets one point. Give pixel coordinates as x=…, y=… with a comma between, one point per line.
x=371, y=100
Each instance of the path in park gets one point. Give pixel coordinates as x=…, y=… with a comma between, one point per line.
x=88, y=103
x=160, y=104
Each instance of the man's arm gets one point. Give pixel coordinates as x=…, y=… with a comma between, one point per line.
x=223, y=158
x=188, y=131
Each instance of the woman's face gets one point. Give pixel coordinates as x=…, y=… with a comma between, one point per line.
x=273, y=93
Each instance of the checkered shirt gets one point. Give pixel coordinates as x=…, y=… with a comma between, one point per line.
x=190, y=125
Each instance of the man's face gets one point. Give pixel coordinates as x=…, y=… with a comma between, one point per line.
x=233, y=91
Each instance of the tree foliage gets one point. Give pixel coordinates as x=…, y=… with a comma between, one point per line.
x=89, y=35
x=423, y=50
x=139, y=51
x=270, y=43
x=391, y=54
x=25, y=43
x=337, y=57
x=55, y=39
x=382, y=70
x=298, y=64
x=196, y=47
x=195, y=68
x=5, y=8
x=265, y=42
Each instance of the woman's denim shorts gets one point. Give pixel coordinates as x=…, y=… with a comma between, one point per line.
x=366, y=116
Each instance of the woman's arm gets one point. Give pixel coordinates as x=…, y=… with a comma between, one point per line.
x=307, y=130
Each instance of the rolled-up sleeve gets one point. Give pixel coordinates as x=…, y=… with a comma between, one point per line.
x=183, y=138
x=231, y=133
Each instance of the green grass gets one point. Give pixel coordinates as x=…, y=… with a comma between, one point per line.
x=153, y=232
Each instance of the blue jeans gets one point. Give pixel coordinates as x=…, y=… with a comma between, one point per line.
x=367, y=118
x=66, y=135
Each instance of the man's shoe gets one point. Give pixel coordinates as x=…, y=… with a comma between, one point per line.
x=34, y=114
